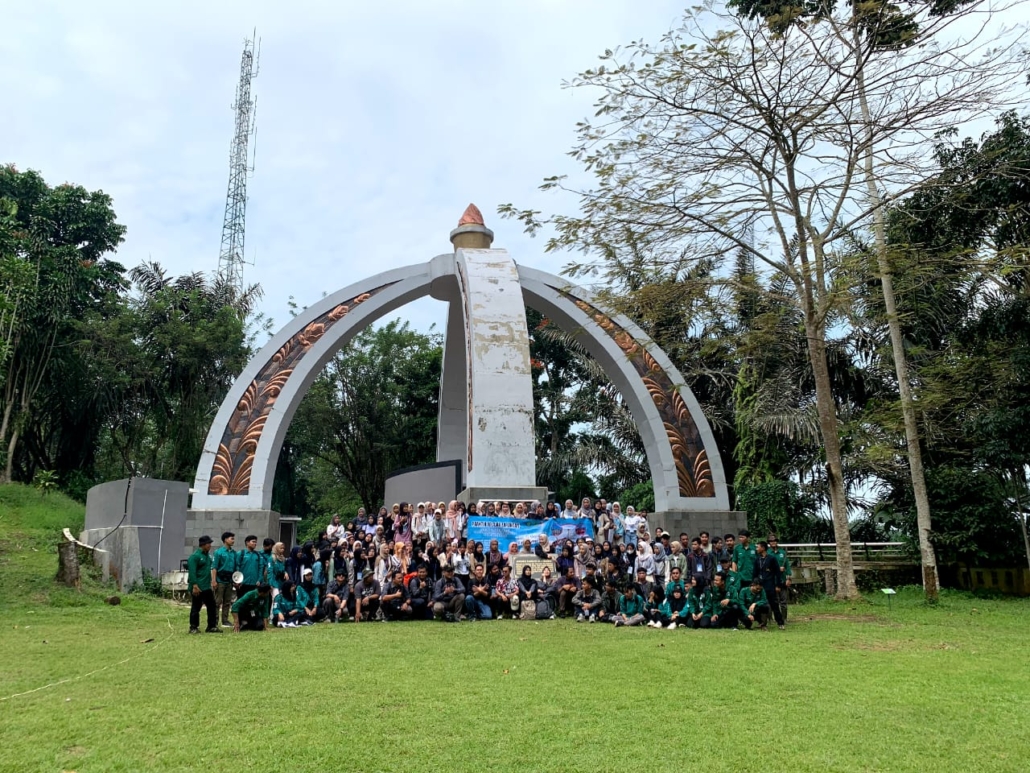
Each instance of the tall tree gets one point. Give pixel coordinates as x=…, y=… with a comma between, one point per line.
x=374, y=408
x=58, y=244
x=710, y=137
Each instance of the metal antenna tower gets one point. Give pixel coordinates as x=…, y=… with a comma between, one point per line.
x=230, y=259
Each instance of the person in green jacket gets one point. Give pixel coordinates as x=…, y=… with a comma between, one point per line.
x=286, y=612
x=697, y=598
x=783, y=595
x=721, y=610
x=675, y=581
x=308, y=598
x=199, y=573
x=252, y=609
x=223, y=567
x=732, y=578
x=673, y=610
x=631, y=608
x=251, y=564
x=754, y=606
x=744, y=558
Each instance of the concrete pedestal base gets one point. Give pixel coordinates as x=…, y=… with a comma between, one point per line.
x=120, y=554
x=716, y=522
x=261, y=523
x=503, y=494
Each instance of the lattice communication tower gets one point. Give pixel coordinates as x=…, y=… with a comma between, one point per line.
x=230, y=259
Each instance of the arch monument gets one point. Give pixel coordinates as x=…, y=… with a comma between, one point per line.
x=486, y=398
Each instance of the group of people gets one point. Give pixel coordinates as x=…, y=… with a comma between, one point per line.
x=407, y=564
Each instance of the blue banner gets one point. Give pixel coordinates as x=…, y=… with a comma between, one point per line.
x=483, y=528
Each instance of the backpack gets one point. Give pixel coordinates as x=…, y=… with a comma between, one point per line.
x=544, y=609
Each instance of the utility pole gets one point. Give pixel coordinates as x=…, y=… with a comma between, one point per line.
x=231, y=257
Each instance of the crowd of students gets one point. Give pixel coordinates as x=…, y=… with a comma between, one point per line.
x=416, y=563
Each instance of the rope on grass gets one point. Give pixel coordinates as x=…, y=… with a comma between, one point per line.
x=95, y=671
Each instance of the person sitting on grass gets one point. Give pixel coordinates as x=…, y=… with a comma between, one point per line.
x=673, y=610
x=252, y=609
x=529, y=588
x=567, y=590
x=722, y=609
x=477, y=602
x=286, y=613
x=335, y=603
x=755, y=606
x=448, y=600
x=631, y=608
x=608, y=611
x=420, y=595
x=395, y=598
x=367, y=594
x=308, y=596
x=586, y=602
x=505, y=596
x=199, y=577
x=696, y=600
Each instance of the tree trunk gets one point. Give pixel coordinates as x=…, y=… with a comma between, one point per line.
x=826, y=407
x=9, y=464
x=68, y=563
x=931, y=580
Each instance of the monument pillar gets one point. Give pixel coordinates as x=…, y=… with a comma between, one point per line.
x=496, y=387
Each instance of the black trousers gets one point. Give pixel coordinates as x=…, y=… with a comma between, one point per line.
x=252, y=622
x=761, y=615
x=770, y=593
x=205, y=598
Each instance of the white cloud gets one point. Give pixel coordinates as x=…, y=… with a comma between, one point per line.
x=377, y=123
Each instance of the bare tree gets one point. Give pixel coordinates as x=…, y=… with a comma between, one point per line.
x=729, y=136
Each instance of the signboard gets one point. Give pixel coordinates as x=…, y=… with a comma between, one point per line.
x=507, y=530
x=534, y=561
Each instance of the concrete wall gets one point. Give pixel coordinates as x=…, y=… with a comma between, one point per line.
x=438, y=482
x=154, y=514
x=262, y=523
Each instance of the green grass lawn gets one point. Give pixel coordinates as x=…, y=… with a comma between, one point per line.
x=845, y=688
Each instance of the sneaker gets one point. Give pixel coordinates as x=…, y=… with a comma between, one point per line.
x=212, y=630
x=782, y=627
x=580, y=618
x=226, y=624
x=618, y=623
x=593, y=618
x=194, y=630
x=670, y=627
x=552, y=617
x=306, y=622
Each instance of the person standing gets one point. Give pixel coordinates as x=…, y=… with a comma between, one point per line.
x=767, y=573
x=744, y=558
x=223, y=567
x=251, y=564
x=783, y=595
x=199, y=576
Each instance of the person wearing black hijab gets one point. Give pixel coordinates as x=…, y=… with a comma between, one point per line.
x=295, y=564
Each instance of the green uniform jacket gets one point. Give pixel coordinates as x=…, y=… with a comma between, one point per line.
x=251, y=601
x=283, y=605
x=781, y=558
x=307, y=600
x=733, y=584
x=713, y=605
x=276, y=569
x=225, y=563
x=747, y=598
x=670, y=586
x=744, y=558
x=199, y=566
x=252, y=564
x=696, y=601
x=631, y=606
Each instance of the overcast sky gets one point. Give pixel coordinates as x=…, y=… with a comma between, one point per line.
x=377, y=123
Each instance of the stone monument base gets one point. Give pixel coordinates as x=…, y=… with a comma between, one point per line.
x=261, y=523
x=503, y=494
x=693, y=522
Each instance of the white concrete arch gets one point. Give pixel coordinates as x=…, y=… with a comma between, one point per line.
x=237, y=467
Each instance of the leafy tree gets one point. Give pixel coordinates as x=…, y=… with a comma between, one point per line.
x=372, y=410
x=54, y=242
x=745, y=139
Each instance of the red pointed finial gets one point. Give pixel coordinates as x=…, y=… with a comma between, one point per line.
x=472, y=216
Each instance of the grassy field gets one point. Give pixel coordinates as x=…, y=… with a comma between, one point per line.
x=845, y=688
